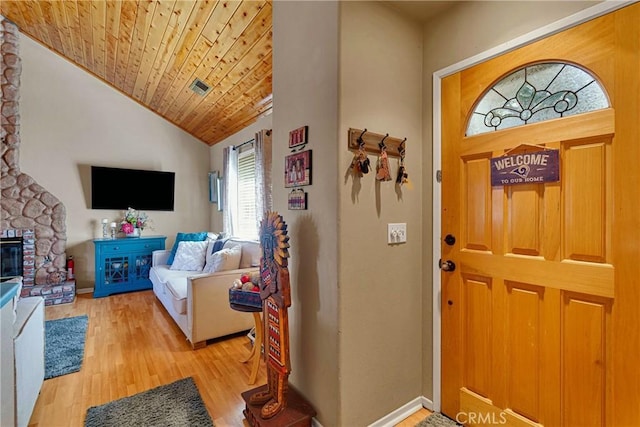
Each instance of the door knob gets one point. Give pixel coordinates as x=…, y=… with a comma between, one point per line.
x=450, y=239
x=447, y=265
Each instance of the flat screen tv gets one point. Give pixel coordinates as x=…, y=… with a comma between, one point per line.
x=119, y=189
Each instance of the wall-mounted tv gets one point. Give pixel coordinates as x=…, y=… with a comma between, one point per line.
x=119, y=189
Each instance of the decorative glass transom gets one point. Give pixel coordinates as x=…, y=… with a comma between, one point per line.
x=534, y=94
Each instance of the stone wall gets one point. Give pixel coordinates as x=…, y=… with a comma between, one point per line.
x=25, y=205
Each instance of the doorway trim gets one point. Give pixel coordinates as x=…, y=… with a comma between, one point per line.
x=570, y=21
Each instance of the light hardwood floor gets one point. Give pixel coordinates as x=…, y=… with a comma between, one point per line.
x=133, y=345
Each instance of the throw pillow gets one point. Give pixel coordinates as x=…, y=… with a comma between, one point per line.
x=219, y=244
x=223, y=260
x=190, y=256
x=185, y=237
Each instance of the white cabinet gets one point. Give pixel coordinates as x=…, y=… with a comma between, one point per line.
x=28, y=347
x=22, y=355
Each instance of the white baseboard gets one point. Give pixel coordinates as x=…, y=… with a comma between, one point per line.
x=84, y=291
x=403, y=412
x=427, y=403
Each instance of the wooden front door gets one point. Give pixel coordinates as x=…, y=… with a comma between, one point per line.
x=540, y=322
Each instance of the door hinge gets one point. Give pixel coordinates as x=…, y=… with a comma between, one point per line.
x=438, y=176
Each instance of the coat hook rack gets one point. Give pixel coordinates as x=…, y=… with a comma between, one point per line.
x=373, y=142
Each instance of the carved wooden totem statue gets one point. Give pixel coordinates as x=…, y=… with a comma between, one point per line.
x=275, y=292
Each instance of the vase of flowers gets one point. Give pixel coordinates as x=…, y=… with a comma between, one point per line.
x=134, y=222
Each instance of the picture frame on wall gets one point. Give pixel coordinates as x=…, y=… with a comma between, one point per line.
x=297, y=169
x=297, y=199
x=213, y=187
x=220, y=191
x=298, y=137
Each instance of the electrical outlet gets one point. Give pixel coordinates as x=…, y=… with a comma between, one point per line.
x=397, y=233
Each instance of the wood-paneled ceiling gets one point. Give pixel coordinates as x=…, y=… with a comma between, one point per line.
x=152, y=50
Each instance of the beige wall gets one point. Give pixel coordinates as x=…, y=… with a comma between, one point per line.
x=467, y=29
x=380, y=284
x=215, y=159
x=305, y=91
x=71, y=120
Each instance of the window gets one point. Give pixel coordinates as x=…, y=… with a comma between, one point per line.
x=536, y=93
x=246, y=169
x=246, y=220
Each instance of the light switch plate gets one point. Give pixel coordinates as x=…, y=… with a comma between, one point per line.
x=397, y=233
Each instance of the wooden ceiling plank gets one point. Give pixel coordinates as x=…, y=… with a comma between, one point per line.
x=251, y=97
x=99, y=27
x=112, y=31
x=32, y=8
x=232, y=77
x=113, y=17
x=217, y=75
x=217, y=124
x=140, y=32
x=160, y=23
x=111, y=44
x=62, y=28
x=11, y=10
x=239, y=124
x=259, y=79
x=50, y=22
x=177, y=24
x=225, y=90
x=258, y=73
x=268, y=109
x=24, y=17
x=182, y=82
x=219, y=21
x=256, y=98
x=197, y=18
x=234, y=41
x=29, y=22
x=73, y=22
x=84, y=16
x=128, y=13
x=240, y=112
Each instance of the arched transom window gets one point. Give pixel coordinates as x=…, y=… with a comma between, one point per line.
x=537, y=93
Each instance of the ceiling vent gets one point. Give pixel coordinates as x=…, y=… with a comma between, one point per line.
x=200, y=87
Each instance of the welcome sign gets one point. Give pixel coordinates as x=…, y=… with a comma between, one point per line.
x=526, y=168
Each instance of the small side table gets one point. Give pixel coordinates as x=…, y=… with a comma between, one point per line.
x=256, y=351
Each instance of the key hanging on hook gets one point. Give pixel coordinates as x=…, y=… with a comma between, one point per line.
x=360, y=162
x=403, y=176
x=382, y=169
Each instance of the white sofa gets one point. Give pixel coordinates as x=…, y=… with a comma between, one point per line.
x=199, y=302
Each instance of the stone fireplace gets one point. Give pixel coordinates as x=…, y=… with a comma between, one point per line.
x=28, y=210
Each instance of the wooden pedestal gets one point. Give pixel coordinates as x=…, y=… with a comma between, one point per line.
x=298, y=412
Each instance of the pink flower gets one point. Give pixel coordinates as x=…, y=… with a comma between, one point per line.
x=127, y=228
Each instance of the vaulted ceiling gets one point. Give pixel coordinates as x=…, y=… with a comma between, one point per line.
x=152, y=50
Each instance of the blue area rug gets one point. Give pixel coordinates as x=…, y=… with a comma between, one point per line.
x=64, y=345
x=178, y=404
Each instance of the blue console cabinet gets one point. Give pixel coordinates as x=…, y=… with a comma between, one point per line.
x=122, y=265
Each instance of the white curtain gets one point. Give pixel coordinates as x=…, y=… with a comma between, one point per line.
x=262, y=147
x=230, y=200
